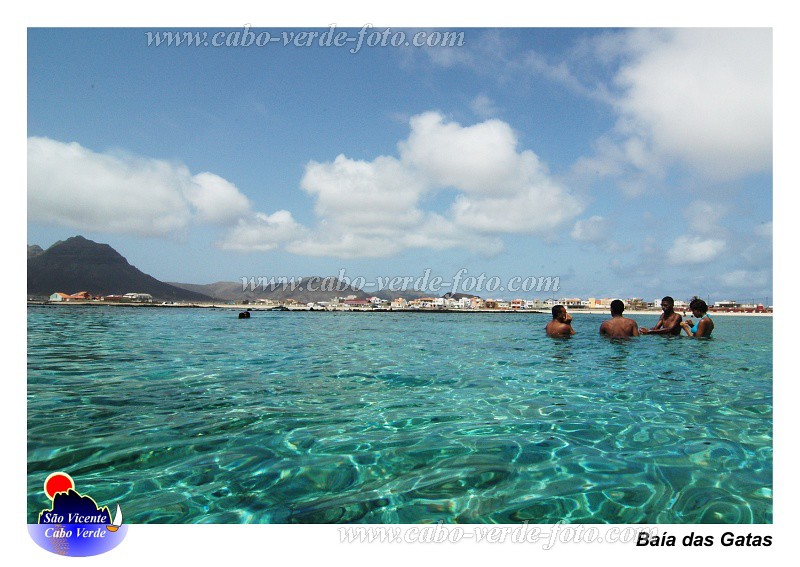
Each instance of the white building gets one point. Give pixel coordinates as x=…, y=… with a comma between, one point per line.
x=141, y=297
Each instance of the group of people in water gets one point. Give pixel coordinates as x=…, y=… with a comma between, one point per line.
x=670, y=323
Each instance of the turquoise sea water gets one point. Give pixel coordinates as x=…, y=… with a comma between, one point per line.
x=192, y=415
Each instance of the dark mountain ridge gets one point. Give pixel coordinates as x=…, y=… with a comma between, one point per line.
x=78, y=264
x=322, y=289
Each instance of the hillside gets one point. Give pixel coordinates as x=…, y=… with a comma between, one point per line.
x=78, y=264
x=232, y=291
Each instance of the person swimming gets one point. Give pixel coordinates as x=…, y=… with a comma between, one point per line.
x=561, y=325
x=618, y=326
x=704, y=325
x=669, y=323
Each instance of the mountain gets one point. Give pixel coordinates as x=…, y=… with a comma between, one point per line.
x=34, y=250
x=232, y=291
x=457, y=296
x=324, y=289
x=78, y=264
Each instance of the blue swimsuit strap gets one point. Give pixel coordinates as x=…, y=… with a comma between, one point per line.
x=696, y=325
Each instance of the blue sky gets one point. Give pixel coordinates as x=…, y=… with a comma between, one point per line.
x=628, y=162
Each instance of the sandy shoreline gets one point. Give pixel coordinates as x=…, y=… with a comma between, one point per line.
x=257, y=308
x=688, y=314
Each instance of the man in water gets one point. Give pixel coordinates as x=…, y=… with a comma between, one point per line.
x=670, y=322
x=561, y=325
x=618, y=326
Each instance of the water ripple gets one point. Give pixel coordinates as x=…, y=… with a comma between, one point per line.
x=189, y=416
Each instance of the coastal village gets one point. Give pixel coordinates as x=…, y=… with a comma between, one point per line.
x=448, y=302
x=82, y=264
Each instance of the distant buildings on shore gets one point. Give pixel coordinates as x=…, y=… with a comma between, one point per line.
x=467, y=303
x=444, y=303
x=86, y=296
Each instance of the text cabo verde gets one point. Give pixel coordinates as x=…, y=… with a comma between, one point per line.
x=59, y=531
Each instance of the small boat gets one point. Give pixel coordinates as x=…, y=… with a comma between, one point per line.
x=117, y=521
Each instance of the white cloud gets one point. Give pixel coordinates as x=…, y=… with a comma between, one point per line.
x=381, y=193
x=534, y=209
x=743, y=279
x=764, y=229
x=560, y=73
x=483, y=106
x=631, y=159
x=502, y=189
x=215, y=199
x=702, y=96
x=69, y=185
x=374, y=208
x=72, y=186
x=363, y=208
x=479, y=159
x=593, y=229
x=483, y=52
x=440, y=233
x=695, y=249
x=342, y=244
x=700, y=99
x=261, y=232
x=435, y=232
x=704, y=216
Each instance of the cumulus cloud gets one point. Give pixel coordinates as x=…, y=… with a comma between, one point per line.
x=700, y=99
x=534, y=209
x=375, y=208
x=695, y=249
x=702, y=96
x=362, y=208
x=215, y=199
x=69, y=185
x=593, y=229
x=381, y=193
x=478, y=159
x=260, y=232
x=435, y=232
x=704, y=217
x=502, y=189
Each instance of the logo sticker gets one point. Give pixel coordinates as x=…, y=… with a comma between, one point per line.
x=75, y=525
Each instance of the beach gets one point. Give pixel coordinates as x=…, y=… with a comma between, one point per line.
x=256, y=308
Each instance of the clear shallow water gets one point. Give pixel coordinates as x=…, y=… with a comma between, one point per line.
x=192, y=415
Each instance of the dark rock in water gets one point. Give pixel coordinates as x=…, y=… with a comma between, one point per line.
x=244, y=315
